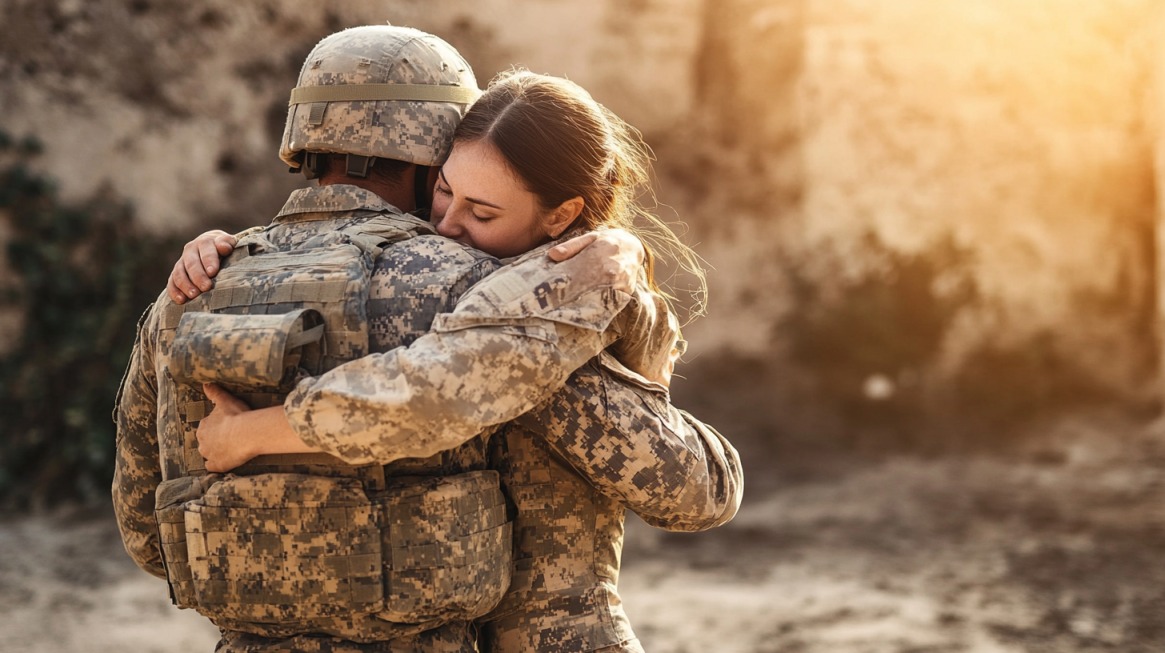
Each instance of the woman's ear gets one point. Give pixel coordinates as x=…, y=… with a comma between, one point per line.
x=563, y=215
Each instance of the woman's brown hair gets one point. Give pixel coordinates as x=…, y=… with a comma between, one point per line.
x=563, y=144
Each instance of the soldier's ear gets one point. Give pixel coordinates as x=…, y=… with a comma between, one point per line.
x=562, y=216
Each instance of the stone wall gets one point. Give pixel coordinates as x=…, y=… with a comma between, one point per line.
x=989, y=168
x=1015, y=128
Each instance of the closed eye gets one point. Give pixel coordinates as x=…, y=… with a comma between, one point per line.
x=442, y=185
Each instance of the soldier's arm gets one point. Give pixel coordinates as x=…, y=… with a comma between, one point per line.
x=621, y=433
x=511, y=341
x=137, y=470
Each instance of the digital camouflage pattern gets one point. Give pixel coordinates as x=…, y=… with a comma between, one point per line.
x=274, y=548
x=510, y=342
x=258, y=351
x=608, y=441
x=242, y=538
x=569, y=485
x=453, y=638
x=686, y=477
x=304, y=550
x=414, y=131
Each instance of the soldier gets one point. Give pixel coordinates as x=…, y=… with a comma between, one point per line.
x=688, y=477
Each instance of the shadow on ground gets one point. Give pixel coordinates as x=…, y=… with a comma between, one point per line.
x=1053, y=548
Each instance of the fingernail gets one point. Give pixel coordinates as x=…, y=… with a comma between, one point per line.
x=192, y=293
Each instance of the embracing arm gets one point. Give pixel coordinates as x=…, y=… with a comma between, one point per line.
x=622, y=434
x=137, y=471
x=193, y=271
x=512, y=340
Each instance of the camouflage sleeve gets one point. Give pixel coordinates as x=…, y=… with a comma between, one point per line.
x=511, y=341
x=137, y=471
x=621, y=433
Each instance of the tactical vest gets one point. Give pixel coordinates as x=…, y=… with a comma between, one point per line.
x=306, y=543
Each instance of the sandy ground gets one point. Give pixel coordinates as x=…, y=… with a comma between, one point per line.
x=1053, y=549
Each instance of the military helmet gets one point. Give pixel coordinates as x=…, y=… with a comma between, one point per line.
x=378, y=91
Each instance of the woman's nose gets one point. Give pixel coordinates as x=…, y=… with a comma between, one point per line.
x=448, y=227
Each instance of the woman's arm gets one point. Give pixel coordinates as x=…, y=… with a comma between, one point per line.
x=232, y=433
x=622, y=434
x=511, y=341
x=199, y=263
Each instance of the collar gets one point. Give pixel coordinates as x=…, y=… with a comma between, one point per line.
x=333, y=198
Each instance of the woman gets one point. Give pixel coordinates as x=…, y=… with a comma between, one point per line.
x=536, y=159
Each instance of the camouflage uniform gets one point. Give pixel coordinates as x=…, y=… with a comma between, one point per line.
x=413, y=281
x=557, y=317
x=607, y=440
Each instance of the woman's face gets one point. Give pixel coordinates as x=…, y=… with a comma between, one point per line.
x=480, y=201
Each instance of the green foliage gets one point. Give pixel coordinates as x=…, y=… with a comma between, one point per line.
x=82, y=276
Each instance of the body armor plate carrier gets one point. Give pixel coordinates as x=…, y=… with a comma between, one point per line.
x=306, y=543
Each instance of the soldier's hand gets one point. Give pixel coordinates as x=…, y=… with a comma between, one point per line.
x=198, y=264
x=222, y=449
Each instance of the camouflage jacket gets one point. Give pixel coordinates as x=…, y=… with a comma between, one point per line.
x=579, y=452
x=607, y=442
x=510, y=343
x=412, y=282
x=504, y=349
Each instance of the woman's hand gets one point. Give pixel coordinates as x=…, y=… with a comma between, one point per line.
x=623, y=241
x=219, y=442
x=198, y=264
x=232, y=433
x=611, y=257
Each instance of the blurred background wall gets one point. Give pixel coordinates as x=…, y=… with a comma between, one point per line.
x=929, y=222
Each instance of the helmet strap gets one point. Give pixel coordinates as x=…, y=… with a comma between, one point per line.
x=313, y=165
x=358, y=165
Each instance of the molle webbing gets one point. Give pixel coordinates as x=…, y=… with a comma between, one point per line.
x=252, y=333
x=280, y=553
x=296, y=292
x=261, y=548
x=289, y=544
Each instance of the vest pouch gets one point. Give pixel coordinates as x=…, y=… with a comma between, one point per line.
x=448, y=547
x=170, y=513
x=246, y=351
x=284, y=548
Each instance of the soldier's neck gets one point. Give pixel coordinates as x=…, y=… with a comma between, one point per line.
x=398, y=192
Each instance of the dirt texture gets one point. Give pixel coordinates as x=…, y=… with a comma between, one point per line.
x=1051, y=548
